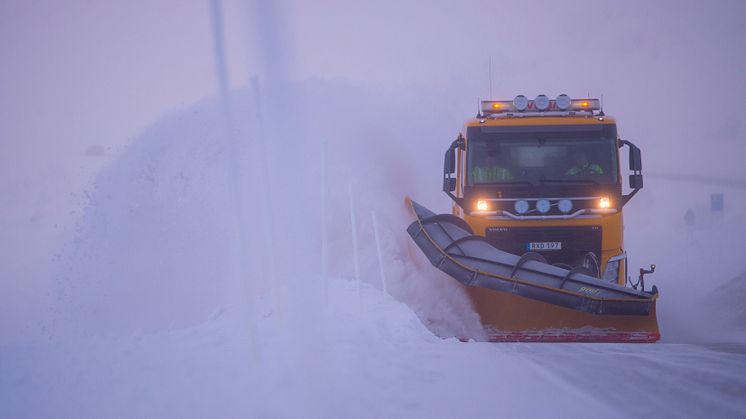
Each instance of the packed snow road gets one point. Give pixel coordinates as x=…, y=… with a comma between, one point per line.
x=371, y=360
x=669, y=380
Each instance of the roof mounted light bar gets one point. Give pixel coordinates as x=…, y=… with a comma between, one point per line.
x=542, y=104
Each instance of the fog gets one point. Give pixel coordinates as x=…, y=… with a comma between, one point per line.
x=157, y=170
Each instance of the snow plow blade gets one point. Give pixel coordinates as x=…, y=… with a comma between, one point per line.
x=523, y=298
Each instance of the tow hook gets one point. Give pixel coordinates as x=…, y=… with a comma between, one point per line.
x=643, y=272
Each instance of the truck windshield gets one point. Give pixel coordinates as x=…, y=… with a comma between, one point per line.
x=542, y=155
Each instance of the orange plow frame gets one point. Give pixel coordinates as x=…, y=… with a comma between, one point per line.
x=542, y=304
x=512, y=318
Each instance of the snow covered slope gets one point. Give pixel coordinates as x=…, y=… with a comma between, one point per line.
x=189, y=214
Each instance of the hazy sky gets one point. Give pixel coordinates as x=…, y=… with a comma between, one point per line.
x=74, y=70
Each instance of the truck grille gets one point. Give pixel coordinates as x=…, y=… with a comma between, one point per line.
x=576, y=242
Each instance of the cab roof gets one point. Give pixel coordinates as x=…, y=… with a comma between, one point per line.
x=540, y=120
x=522, y=111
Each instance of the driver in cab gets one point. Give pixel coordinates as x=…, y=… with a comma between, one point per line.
x=582, y=166
x=490, y=170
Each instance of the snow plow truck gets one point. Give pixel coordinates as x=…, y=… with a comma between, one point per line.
x=535, y=236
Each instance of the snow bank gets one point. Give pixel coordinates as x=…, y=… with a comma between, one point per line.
x=188, y=218
x=224, y=367
x=193, y=290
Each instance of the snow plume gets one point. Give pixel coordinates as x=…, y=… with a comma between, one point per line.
x=153, y=248
x=183, y=221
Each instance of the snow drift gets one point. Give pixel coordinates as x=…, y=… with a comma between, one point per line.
x=197, y=213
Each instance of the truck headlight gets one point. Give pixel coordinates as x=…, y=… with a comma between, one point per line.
x=482, y=205
x=611, y=274
x=604, y=202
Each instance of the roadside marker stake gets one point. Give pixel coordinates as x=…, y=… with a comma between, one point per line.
x=378, y=249
x=355, y=260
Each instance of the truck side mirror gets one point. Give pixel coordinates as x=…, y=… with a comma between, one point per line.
x=449, y=184
x=635, y=181
x=635, y=165
x=449, y=168
x=449, y=162
x=635, y=159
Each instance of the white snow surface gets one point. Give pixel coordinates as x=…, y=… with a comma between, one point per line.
x=361, y=355
x=171, y=303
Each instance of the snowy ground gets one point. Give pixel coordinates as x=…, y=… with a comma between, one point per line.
x=374, y=360
x=151, y=313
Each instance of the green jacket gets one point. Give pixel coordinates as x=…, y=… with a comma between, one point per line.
x=591, y=168
x=490, y=174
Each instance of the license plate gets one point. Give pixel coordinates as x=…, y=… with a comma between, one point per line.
x=544, y=246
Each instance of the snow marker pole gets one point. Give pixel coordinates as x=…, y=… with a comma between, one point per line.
x=355, y=260
x=236, y=178
x=221, y=70
x=324, y=243
x=268, y=225
x=378, y=248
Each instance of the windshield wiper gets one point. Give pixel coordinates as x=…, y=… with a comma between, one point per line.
x=510, y=182
x=587, y=181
